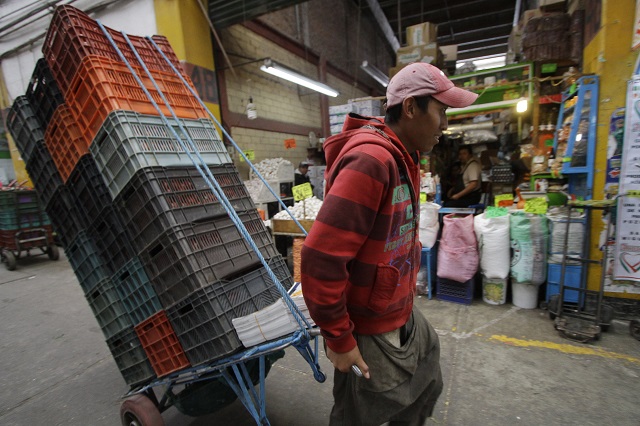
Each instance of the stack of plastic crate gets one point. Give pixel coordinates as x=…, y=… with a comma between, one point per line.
x=162, y=264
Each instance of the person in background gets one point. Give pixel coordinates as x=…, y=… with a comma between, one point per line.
x=468, y=188
x=360, y=261
x=301, y=174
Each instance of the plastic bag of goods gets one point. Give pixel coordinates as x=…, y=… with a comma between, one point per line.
x=494, y=244
x=558, y=230
x=529, y=234
x=457, y=231
x=429, y=225
x=494, y=290
x=457, y=263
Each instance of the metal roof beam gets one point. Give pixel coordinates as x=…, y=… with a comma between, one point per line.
x=382, y=20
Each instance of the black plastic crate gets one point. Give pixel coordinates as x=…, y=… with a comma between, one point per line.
x=137, y=295
x=88, y=187
x=90, y=268
x=25, y=127
x=455, y=291
x=158, y=198
x=43, y=172
x=65, y=215
x=130, y=357
x=105, y=303
x=192, y=256
x=43, y=92
x=202, y=321
x=112, y=241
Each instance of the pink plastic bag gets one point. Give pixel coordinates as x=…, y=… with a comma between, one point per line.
x=459, y=263
x=457, y=231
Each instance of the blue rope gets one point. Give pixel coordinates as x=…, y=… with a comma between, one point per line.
x=203, y=169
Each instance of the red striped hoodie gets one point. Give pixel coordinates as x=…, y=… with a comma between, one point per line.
x=360, y=260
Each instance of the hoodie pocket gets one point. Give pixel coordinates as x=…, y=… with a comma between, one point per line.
x=384, y=288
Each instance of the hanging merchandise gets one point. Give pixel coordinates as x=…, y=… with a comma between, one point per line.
x=494, y=244
x=529, y=235
x=429, y=225
x=458, y=252
x=558, y=229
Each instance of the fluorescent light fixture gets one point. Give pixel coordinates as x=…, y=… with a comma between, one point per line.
x=375, y=73
x=522, y=105
x=279, y=71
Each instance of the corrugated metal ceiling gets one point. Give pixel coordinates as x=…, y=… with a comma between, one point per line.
x=478, y=27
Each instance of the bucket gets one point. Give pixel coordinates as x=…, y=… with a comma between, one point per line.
x=525, y=295
x=494, y=290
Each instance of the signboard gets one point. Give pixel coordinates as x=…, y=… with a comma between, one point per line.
x=250, y=154
x=302, y=192
x=626, y=262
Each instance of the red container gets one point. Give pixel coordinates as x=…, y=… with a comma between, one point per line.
x=65, y=141
x=161, y=345
x=102, y=85
x=73, y=35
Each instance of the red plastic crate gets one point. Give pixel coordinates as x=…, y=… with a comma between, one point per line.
x=65, y=141
x=73, y=35
x=161, y=345
x=103, y=85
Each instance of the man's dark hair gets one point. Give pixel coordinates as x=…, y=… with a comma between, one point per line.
x=465, y=148
x=393, y=114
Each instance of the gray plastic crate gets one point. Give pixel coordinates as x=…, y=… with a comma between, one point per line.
x=129, y=141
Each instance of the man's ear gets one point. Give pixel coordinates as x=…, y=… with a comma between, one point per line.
x=409, y=107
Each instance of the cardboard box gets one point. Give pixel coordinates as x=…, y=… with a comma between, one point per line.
x=575, y=5
x=514, y=43
x=424, y=53
x=421, y=34
x=369, y=107
x=552, y=5
x=450, y=52
x=394, y=70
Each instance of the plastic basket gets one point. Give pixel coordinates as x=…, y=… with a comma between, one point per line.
x=72, y=35
x=158, y=198
x=102, y=85
x=19, y=200
x=130, y=357
x=43, y=172
x=89, y=187
x=112, y=241
x=25, y=128
x=137, y=294
x=23, y=220
x=43, y=92
x=192, y=256
x=454, y=291
x=65, y=142
x=90, y=268
x=202, y=321
x=128, y=142
x=108, y=309
x=161, y=345
x=64, y=213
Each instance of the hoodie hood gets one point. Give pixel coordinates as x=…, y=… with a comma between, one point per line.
x=353, y=135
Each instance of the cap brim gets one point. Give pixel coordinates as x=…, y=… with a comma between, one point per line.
x=456, y=97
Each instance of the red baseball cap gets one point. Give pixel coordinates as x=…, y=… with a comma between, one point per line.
x=422, y=79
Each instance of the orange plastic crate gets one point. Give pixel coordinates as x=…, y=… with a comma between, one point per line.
x=161, y=345
x=103, y=85
x=73, y=35
x=65, y=141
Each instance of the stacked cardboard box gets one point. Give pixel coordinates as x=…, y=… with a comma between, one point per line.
x=422, y=46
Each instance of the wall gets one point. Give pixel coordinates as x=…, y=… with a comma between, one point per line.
x=610, y=56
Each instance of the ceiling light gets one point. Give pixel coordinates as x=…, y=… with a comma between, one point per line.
x=279, y=71
x=375, y=73
x=522, y=105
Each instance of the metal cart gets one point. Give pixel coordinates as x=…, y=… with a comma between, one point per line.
x=589, y=316
x=24, y=228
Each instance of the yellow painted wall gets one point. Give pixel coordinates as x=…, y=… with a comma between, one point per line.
x=187, y=29
x=610, y=56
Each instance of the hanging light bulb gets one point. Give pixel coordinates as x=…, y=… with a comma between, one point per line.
x=252, y=113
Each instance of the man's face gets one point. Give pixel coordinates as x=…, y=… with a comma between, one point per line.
x=463, y=156
x=429, y=125
x=304, y=169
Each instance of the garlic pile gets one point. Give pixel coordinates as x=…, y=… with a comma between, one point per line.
x=269, y=167
x=256, y=188
x=305, y=209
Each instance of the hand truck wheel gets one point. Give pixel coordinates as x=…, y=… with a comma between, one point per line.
x=9, y=259
x=139, y=410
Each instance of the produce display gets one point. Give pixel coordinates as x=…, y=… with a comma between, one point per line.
x=305, y=209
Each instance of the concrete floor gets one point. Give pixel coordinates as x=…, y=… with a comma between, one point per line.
x=502, y=366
